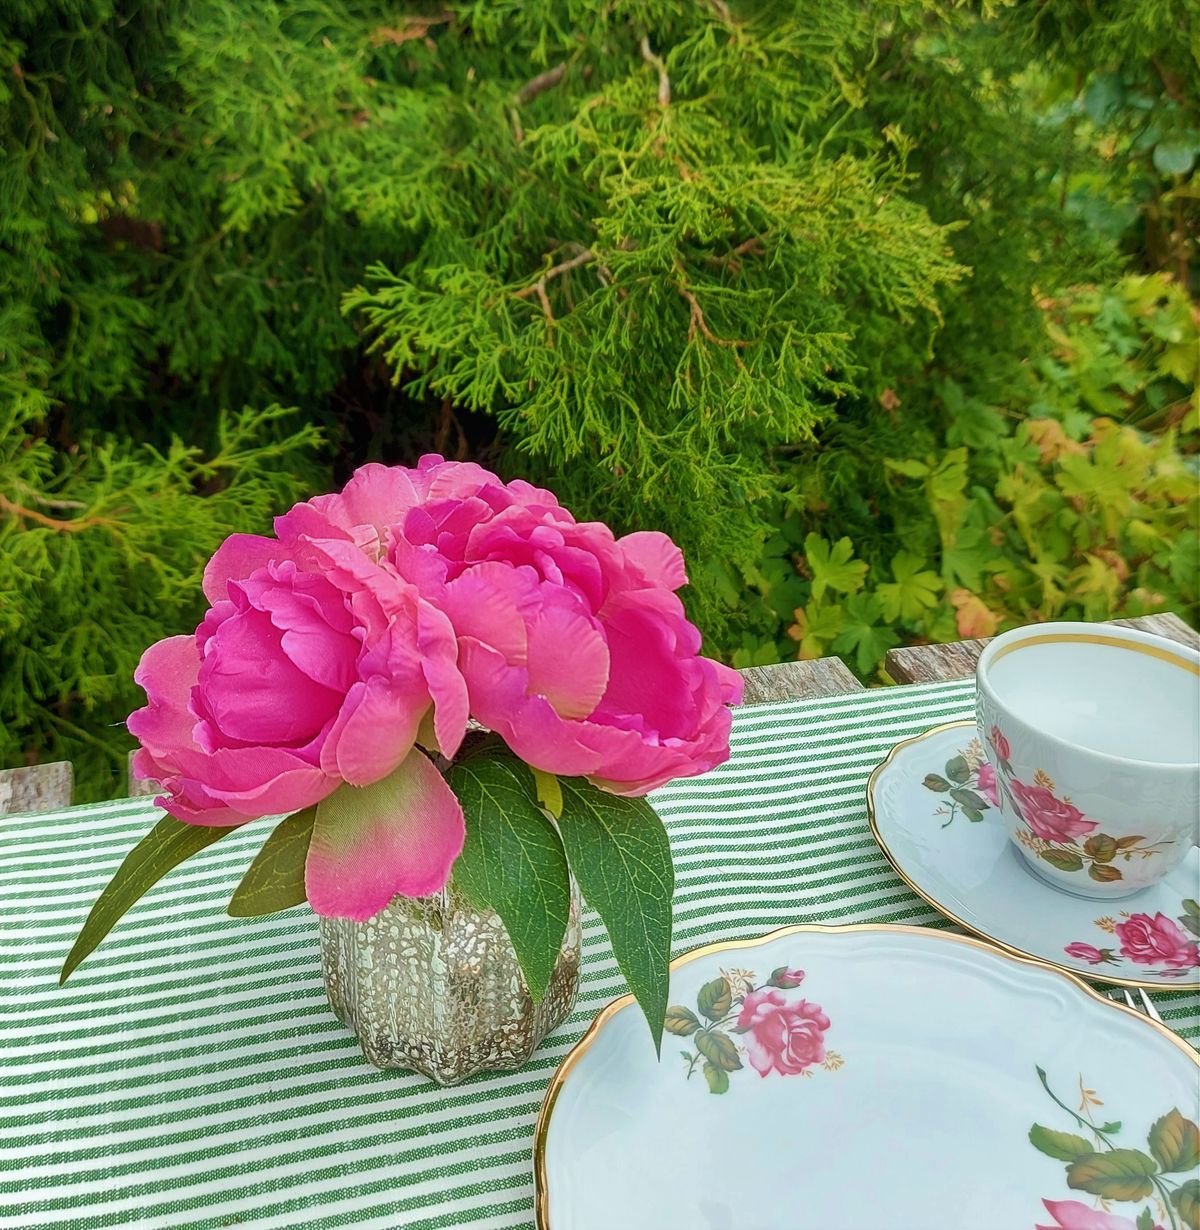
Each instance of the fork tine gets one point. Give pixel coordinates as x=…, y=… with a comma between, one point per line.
x=1151, y=1011
x=1132, y=1003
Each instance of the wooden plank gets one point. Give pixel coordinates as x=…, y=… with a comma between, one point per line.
x=931, y=663
x=793, y=680
x=138, y=787
x=38, y=787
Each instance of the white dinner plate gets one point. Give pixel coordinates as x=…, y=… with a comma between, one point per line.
x=870, y=1078
x=959, y=857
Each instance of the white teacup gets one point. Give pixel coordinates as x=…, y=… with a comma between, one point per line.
x=1093, y=733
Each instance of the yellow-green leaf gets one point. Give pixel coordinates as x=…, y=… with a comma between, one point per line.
x=1120, y=1174
x=549, y=792
x=1186, y=1199
x=717, y=1078
x=275, y=880
x=719, y=1050
x=714, y=998
x=1175, y=1143
x=681, y=1021
x=1064, y=1146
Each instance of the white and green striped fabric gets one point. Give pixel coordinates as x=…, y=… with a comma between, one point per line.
x=191, y=1073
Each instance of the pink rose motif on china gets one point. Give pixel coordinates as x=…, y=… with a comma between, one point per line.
x=779, y=1036
x=1085, y=952
x=1075, y=1215
x=986, y=782
x=1157, y=941
x=1000, y=744
x=1050, y=818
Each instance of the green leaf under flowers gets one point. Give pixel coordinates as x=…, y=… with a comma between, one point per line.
x=1190, y=918
x=1105, y=873
x=939, y=785
x=957, y=769
x=512, y=859
x=968, y=798
x=1175, y=1143
x=1063, y=860
x=1063, y=1146
x=718, y=1078
x=714, y=999
x=681, y=1021
x=1120, y=1174
x=971, y=814
x=275, y=880
x=619, y=852
x=167, y=844
x=1145, y=1220
x=549, y=792
x=719, y=1050
x=1186, y=1199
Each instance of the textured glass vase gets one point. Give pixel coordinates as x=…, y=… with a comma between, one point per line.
x=433, y=985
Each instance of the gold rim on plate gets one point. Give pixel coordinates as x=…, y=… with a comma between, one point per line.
x=1011, y=950
x=576, y=1053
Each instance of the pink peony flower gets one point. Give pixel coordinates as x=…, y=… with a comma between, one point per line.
x=313, y=667
x=782, y=1036
x=1157, y=941
x=986, y=782
x=1074, y=1215
x=1051, y=818
x=1085, y=952
x=1000, y=744
x=573, y=645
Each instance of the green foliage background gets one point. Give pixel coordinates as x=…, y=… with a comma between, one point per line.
x=884, y=311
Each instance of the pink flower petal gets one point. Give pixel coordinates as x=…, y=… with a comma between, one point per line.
x=567, y=657
x=399, y=835
x=375, y=730
x=236, y=558
x=656, y=557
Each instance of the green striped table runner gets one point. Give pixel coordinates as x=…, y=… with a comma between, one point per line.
x=191, y=1074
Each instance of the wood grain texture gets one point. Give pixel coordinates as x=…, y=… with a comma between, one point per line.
x=137, y=787
x=793, y=680
x=39, y=787
x=932, y=663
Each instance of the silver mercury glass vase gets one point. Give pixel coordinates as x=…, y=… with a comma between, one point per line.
x=433, y=985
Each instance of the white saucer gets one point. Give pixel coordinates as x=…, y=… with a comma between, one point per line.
x=922, y=803
x=869, y=1077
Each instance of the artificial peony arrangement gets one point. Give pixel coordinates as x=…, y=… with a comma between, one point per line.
x=427, y=627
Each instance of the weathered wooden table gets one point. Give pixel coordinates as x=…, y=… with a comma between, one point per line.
x=47, y=787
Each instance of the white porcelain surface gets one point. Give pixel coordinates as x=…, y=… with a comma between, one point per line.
x=969, y=869
x=1094, y=735
x=914, y=1113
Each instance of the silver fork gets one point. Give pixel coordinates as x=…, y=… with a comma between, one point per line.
x=1146, y=1007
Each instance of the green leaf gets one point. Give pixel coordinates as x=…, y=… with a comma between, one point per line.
x=862, y=633
x=957, y=769
x=939, y=785
x=906, y=466
x=719, y=1050
x=1064, y=1146
x=619, y=852
x=1105, y=873
x=1120, y=1174
x=1145, y=1220
x=714, y=999
x=968, y=798
x=1110, y=1129
x=718, y=1078
x=275, y=880
x=975, y=817
x=1175, y=1143
x=681, y=1021
x=512, y=860
x=833, y=567
x=1175, y=157
x=913, y=592
x=1190, y=918
x=167, y=844
x=1100, y=847
x=1104, y=95
x=1064, y=860
x=1186, y=1199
